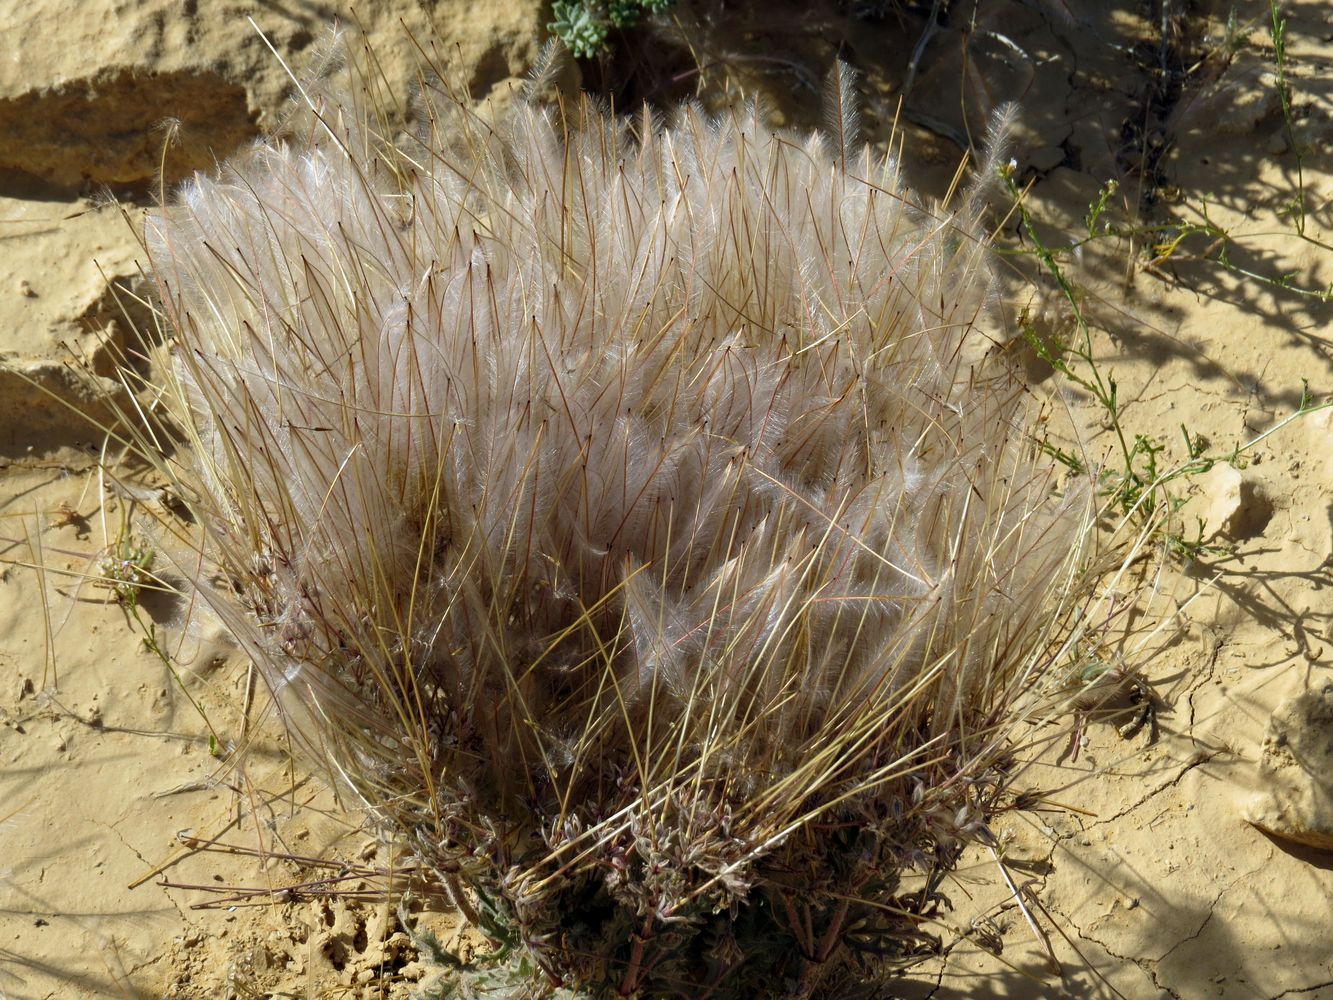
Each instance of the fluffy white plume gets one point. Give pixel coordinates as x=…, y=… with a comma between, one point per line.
x=589, y=463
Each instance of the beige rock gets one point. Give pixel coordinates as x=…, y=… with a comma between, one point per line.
x=1236, y=505
x=93, y=98
x=1221, y=499
x=46, y=404
x=1296, y=771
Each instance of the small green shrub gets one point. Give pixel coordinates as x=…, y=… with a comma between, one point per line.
x=584, y=24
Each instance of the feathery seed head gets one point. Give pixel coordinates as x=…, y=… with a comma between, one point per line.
x=631, y=513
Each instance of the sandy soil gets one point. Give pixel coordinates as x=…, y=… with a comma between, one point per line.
x=116, y=768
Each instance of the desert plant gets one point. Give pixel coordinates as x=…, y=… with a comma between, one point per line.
x=1138, y=482
x=583, y=25
x=634, y=516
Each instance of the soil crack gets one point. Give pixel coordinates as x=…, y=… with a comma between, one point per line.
x=1297, y=991
x=1198, y=760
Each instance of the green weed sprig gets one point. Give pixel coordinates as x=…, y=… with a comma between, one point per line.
x=126, y=568
x=1137, y=488
x=1277, y=28
x=583, y=25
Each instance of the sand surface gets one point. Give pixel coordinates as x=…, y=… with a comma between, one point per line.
x=118, y=765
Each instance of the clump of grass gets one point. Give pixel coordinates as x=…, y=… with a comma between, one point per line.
x=633, y=515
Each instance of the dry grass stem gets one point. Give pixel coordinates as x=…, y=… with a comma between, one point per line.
x=635, y=514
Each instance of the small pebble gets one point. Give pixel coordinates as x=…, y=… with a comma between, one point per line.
x=1295, y=772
